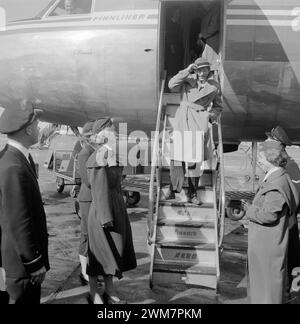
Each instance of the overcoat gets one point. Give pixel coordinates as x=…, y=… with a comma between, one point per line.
x=111, y=250
x=199, y=103
x=84, y=197
x=293, y=171
x=270, y=218
x=24, y=246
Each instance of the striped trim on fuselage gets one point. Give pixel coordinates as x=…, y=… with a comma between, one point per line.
x=265, y=16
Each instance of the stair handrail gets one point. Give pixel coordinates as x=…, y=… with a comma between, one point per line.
x=155, y=154
x=222, y=195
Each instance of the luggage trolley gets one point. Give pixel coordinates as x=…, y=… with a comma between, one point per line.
x=66, y=171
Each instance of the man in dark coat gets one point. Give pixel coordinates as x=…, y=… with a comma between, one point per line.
x=271, y=215
x=24, y=245
x=84, y=198
x=292, y=169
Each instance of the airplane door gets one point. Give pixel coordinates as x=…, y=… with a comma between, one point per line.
x=198, y=30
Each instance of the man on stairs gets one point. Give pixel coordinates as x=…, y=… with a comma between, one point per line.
x=200, y=106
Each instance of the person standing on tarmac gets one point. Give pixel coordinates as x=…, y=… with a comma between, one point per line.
x=271, y=214
x=24, y=246
x=111, y=251
x=84, y=198
x=279, y=135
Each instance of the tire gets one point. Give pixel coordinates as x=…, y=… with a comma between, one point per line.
x=235, y=213
x=131, y=198
x=60, y=185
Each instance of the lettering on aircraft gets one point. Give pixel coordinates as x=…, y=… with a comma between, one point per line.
x=2, y=19
x=119, y=17
x=126, y=17
x=296, y=21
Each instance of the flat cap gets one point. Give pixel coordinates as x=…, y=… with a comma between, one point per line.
x=14, y=119
x=201, y=62
x=278, y=134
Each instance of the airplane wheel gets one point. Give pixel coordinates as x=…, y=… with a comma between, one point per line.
x=60, y=185
x=133, y=198
x=235, y=213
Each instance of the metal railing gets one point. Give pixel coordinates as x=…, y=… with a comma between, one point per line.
x=222, y=195
x=154, y=164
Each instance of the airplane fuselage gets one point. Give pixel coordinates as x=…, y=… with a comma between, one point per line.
x=109, y=63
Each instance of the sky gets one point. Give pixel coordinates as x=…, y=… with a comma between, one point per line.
x=21, y=9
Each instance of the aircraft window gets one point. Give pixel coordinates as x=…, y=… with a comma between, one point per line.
x=72, y=7
x=110, y=5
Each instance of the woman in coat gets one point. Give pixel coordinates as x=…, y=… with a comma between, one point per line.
x=201, y=102
x=270, y=218
x=111, y=250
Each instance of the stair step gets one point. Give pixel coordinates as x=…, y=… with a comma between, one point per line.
x=164, y=278
x=187, y=245
x=184, y=268
x=205, y=194
x=206, y=180
x=185, y=212
x=193, y=255
x=204, y=233
x=188, y=224
x=175, y=203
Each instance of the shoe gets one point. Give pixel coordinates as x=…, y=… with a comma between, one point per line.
x=84, y=281
x=170, y=195
x=111, y=300
x=193, y=199
x=196, y=201
x=4, y=298
x=89, y=299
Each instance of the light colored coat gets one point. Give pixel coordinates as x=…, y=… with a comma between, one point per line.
x=270, y=215
x=198, y=105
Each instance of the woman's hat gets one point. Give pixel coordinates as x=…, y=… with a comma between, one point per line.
x=100, y=124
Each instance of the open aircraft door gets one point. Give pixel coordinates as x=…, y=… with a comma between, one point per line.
x=193, y=16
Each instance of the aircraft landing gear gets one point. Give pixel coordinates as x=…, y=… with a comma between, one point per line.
x=235, y=213
x=235, y=210
x=131, y=198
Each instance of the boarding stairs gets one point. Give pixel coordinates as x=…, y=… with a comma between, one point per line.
x=185, y=239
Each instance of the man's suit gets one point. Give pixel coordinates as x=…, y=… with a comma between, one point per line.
x=24, y=243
